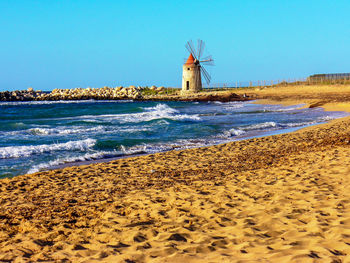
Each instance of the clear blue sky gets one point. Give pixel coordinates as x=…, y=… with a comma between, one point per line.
x=66, y=44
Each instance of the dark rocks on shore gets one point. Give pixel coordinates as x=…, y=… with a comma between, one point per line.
x=218, y=97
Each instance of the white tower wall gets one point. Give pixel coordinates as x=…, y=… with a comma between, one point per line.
x=191, y=79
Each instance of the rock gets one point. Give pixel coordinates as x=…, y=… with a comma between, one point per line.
x=217, y=97
x=30, y=89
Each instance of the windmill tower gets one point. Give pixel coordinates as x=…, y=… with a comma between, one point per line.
x=193, y=68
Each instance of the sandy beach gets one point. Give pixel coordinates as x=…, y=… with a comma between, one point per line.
x=280, y=198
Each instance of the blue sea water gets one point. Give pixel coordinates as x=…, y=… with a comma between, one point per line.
x=36, y=136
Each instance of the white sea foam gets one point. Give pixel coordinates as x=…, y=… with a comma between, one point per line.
x=162, y=146
x=259, y=126
x=150, y=148
x=233, y=132
x=65, y=130
x=25, y=151
x=161, y=111
x=280, y=108
x=327, y=118
x=124, y=150
x=272, y=124
x=80, y=158
x=298, y=124
x=233, y=106
x=290, y=108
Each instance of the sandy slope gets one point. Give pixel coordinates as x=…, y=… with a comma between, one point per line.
x=281, y=198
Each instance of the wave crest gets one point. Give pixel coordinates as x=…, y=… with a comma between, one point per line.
x=25, y=151
x=81, y=158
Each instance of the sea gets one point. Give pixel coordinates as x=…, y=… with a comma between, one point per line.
x=42, y=135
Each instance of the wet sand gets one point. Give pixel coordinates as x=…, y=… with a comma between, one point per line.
x=279, y=198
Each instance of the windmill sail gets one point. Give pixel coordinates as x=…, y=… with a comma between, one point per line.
x=190, y=48
x=197, y=54
x=201, y=46
x=205, y=75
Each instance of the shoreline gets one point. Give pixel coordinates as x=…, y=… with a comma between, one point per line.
x=105, y=160
x=275, y=198
x=237, y=138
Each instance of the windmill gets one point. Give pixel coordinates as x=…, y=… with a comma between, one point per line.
x=193, y=68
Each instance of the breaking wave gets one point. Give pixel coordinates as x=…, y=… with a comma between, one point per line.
x=264, y=125
x=25, y=151
x=76, y=130
x=73, y=159
x=161, y=111
x=233, y=132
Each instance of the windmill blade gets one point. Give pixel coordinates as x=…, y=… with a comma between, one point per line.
x=209, y=61
x=208, y=58
x=200, y=48
x=190, y=48
x=206, y=75
x=193, y=49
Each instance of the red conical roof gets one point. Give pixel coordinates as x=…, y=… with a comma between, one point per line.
x=190, y=60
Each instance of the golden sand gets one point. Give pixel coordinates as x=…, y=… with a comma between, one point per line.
x=280, y=198
x=332, y=98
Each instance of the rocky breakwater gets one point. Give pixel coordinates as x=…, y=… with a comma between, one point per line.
x=152, y=93
x=22, y=95
x=105, y=93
